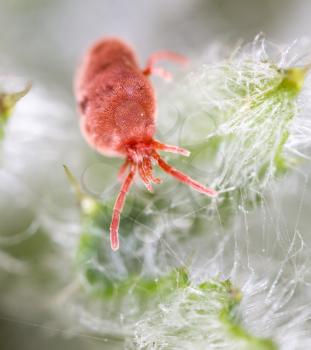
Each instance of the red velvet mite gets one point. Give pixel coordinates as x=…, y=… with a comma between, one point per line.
x=118, y=106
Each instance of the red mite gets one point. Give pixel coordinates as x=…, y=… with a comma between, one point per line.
x=118, y=106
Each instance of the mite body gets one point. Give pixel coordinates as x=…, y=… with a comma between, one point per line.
x=118, y=108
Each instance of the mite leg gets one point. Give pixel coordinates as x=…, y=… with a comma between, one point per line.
x=143, y=172
x=148, y=165
x=172, y=149
x=183, y=177
x=114, y=226
x=163, y=55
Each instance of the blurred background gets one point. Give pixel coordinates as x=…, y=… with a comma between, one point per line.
x=44, y=40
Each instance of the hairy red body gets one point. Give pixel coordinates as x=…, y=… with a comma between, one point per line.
x=117, y=105
x=116, y=99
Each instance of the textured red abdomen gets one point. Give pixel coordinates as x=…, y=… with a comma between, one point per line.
x=115, y=98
